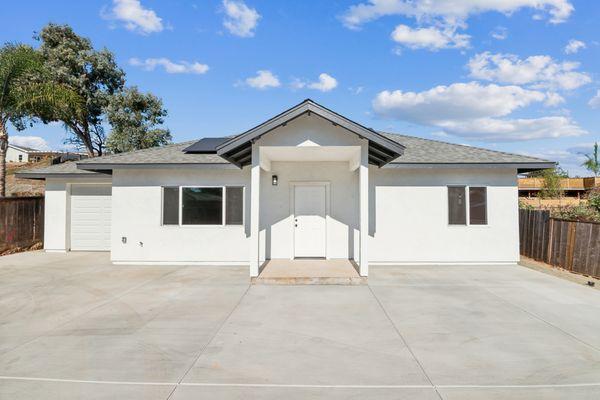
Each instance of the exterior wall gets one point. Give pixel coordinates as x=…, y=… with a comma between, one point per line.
x=276, y=214
x=12, y=155
x=409, y=217
x=57, y=213
x=137, y=210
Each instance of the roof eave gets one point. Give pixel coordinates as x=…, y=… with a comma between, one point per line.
x=521, y=167
x=98, y=167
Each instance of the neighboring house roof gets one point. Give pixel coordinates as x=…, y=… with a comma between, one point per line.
x=23, y=148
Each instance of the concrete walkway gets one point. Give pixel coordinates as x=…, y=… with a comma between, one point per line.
x=73, y=326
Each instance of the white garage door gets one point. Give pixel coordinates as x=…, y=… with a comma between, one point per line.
x=90, y=217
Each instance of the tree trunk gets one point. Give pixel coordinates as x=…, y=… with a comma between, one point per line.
x=3, y=149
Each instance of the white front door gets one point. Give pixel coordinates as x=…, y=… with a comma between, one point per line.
x=309, y=221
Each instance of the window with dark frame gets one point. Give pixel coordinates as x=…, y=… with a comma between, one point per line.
x=477, y=205
x=457, y=208
x=170, y=205
x=234, y=207
x=203, y=205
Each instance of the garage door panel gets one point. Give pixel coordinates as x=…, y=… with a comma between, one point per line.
x=90, y=217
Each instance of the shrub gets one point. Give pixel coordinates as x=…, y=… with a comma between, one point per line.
x=594, y=200
x=577, y=213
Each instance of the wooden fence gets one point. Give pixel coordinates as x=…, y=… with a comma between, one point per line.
x=572, y=245
x=21, y=222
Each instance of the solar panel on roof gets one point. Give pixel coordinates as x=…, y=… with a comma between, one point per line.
x=205, y=146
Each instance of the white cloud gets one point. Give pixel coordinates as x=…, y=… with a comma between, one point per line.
x=240, y=19
x=325, y=83
x=499, y=33
x=495, y=129
x=170, y=67
x=536, y=71
x=452, y=11
x=135, y=17
x=553, y=99
x=472, y=110
x=34, y=142
x=430, y=38
x=459, y=101
x=595, y=101
x=264, y=79
x=574, y=46
x=581, y=148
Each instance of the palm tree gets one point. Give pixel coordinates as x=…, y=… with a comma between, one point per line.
x=25, y=95
x=592, y=163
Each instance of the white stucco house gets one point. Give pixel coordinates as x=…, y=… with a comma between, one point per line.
x=23, y=154
x=306, y=183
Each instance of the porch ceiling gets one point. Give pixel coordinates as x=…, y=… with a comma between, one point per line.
x=350, y=154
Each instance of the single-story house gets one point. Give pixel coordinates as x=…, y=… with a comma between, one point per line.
x=307, y=183
x=23, y=154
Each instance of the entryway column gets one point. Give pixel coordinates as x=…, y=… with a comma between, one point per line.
x=363, y=178
x=254, y=212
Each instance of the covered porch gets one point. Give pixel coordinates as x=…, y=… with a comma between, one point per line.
x=309, y=192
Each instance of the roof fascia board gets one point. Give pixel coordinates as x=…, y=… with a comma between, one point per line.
x=41, y=175
x=532, y=166
x=108, y=166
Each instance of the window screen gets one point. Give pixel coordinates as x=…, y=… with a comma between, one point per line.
x=457, y=208
x=170, y=206
x=234, y=209
x=201, y=206
x=477, y=205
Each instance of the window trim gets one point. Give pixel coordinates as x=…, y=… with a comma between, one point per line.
x=468, y=206
x=223, y=204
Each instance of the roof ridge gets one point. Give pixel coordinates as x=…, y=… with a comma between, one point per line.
x=463, y=145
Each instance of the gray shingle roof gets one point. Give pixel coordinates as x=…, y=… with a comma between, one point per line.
x=418, y=151
x=170, y=154
x=427, y=151
x=68, y=168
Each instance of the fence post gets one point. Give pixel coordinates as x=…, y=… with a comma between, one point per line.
x=550, y=241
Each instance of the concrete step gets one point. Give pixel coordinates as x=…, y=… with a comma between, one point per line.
x=354, y=280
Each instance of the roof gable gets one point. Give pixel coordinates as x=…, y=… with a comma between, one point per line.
x=238, y=150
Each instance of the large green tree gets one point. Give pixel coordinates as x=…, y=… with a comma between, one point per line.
x=592, y=162
x=92, y=74
x=27, y=94
x=135, y=118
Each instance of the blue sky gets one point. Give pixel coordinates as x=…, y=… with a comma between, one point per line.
x=514, y=75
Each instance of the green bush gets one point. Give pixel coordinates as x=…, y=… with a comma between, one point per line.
x=577, y=213
x=594, y=200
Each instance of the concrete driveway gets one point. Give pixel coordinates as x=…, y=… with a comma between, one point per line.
x=73, y=326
